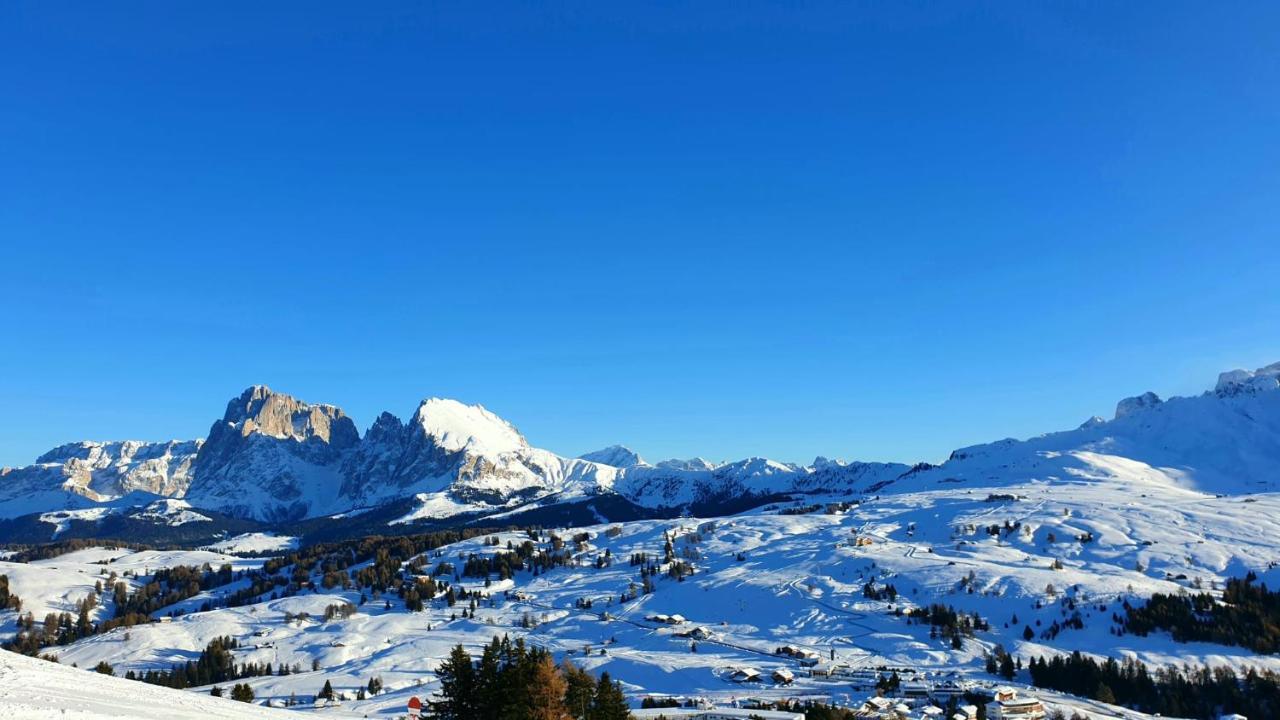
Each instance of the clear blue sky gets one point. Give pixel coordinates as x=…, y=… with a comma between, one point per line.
x=859, y=229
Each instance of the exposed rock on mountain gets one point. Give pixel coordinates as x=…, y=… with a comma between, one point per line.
x=272, y=457
x=1129, y=406
x=83, y=473
x=1237, y=382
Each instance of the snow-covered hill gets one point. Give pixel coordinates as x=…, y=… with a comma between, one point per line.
x=1225, y=441
x=31, y=689
x=761, y=580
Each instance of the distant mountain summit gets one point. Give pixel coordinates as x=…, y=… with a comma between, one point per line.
x=81, y=474
x=615, y=455
x=275, y=459
x=1224, y=441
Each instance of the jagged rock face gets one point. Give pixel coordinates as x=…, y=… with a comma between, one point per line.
x=1138, y=403
x=273, y=457
x=1237, y=382
x=78, y=473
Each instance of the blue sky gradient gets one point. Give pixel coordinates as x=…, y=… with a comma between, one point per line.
x=864, y=230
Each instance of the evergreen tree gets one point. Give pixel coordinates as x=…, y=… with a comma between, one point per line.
x=489, y=685
x=242, y=693
x=580, y=692
x=609, y=702
x=1104, y=694
x=326, y=692
x=457, y=687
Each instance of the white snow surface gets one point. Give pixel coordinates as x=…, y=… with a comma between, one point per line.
x=255, y=542
x=456, y=427
x=31, y=689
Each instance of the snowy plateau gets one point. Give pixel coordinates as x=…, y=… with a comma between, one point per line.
x=728, y=583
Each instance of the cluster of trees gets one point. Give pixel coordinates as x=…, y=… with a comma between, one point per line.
x=947, y=621
x=169, y=586
x=512, y=681
x=8, y=601
x=524, y=556
x=48, y=551
x=165, y=587
x=1192, y=692
x=57, y=629
x=215, y=664
x=1000, y=662
x=883, y=592
x=240, y=692
x=1247, y=616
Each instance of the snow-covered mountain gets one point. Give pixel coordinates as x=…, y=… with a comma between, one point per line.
x=615, y=455
x=273, y=458
x=1224, y=441
x=88, y=473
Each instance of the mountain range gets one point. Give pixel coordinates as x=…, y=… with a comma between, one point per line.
x=272, y=460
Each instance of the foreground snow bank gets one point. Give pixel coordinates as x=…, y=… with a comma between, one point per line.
x=31, y=688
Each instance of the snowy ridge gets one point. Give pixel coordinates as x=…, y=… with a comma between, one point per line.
x=455, y=427
x=82, y=474
x=618, y=456
x=1226, y=441
x=274, y=458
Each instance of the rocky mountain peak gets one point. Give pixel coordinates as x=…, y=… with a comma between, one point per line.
x=261, y=410
x=1236, y=382
x=1137, y=403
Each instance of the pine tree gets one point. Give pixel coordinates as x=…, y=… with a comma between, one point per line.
x=609, y=703
x=489, y=686
x=1104, y=694
x=1007, y=669
x=457, y=687
x=580, y=692
x=326, y=692
x=242, y=693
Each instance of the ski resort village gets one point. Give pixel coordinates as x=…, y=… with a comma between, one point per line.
x=1123, y=569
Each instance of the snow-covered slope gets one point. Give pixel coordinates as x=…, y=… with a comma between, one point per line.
x=32, y=689
x=1225, y=441
x=762, y=580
